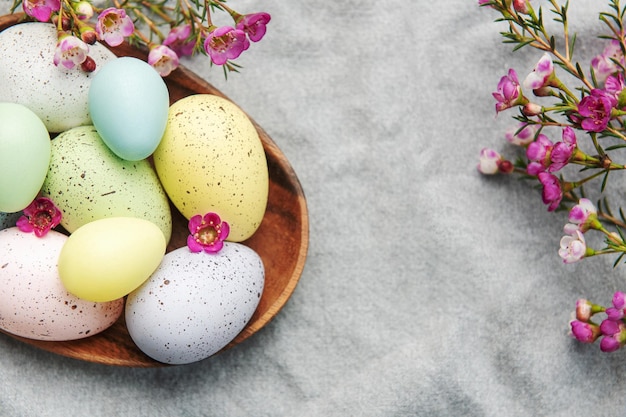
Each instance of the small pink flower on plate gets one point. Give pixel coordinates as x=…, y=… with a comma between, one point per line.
x=70, y=51
x=163, y=59
x=225, y=43
x=39, y=217
x=254, y=25
x=41, y=9
x=208, y=233
x=113, y=26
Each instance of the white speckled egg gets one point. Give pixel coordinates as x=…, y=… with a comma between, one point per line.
x=57, y=95
x=211, y=159
x=195, y=303
x=34, y=303
x=89, y=182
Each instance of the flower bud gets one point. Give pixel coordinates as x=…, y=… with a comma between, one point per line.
x=532, y=109
x=84, y=10
x=88, y=35
x=89, y=65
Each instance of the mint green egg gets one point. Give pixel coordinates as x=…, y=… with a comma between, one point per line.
x=129, y=104
x=24, y=156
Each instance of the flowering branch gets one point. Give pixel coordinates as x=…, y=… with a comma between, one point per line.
x=142, y=22
x=595, y=111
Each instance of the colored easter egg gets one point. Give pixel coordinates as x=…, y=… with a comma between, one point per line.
x=24, y=156
x=129, y=102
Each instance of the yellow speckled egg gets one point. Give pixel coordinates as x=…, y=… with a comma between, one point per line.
x=211, y=159
x=88, y=182
x=108, y=258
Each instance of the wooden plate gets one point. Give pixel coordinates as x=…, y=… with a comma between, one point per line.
x=281, y=241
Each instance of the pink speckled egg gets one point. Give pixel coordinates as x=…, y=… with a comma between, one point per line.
x=33, y=302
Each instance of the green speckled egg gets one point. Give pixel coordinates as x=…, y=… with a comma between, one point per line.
x=211, y=159
x=89, y=182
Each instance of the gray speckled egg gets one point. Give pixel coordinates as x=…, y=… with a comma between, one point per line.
x=211, y=159
x=195, y=303
x=88, y=182
x=59, y=96
x=35, y=304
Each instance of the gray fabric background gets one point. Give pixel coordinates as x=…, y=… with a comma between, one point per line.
x=429, y=290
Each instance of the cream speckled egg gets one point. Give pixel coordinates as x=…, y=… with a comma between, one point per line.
x=108, y=258
x=195, y=303
x=211, y=159
x=34, y=303
x=89, y=182
x=59, y=96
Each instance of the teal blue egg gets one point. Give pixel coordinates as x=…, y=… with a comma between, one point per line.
x=9, y=219
x=24, y=156
x=129, y=104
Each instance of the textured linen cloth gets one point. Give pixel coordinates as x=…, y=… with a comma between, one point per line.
x=429, y=290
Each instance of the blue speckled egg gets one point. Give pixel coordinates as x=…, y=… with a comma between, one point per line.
x=9, y=219
x=194, y=304
x=129, y=104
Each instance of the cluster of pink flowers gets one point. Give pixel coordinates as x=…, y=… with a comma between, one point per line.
x=612, y=329
x=114, y=25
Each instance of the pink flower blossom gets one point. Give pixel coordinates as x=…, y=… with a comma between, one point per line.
x=84, y=10
x=178, y=40
x=113, y=26
x=562, y=151
x=541, y=74
x=207, y=233
x=538, y=153
x=520, y=6
x=585, y=332
x=583, y=215
x=254, y=25
x=163, y=59
x=604, y=64
x=573, y=247
x=619, y=300
x=41, y=9
x=509, y=92
x=552, y=194
x=522, y=137
x=489, y=161
x=40, y=216
x=225, y=43
x=595, y=109
x=70, y=51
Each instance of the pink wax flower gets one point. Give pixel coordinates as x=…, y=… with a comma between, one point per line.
x=538, y=152
x=84, y=10
x=619, y=300
x=254, y=25
x=509, y=92
x=163, y=59
x=585, y=332
x=583, y=310
x=595, y=109
x=225, y=43
x=39, y=217
x=583, y=215
x=489, y=161
x=552, y=194
x=521, y=6
x=113, y=26
x=70, y=51
x=605, y=64
x=41, y=9
x=207, y=233
x=562, y=151
x=611, y=343
x=573, y=247
x=178, y=40
x=541, y=75
x=522, y=135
